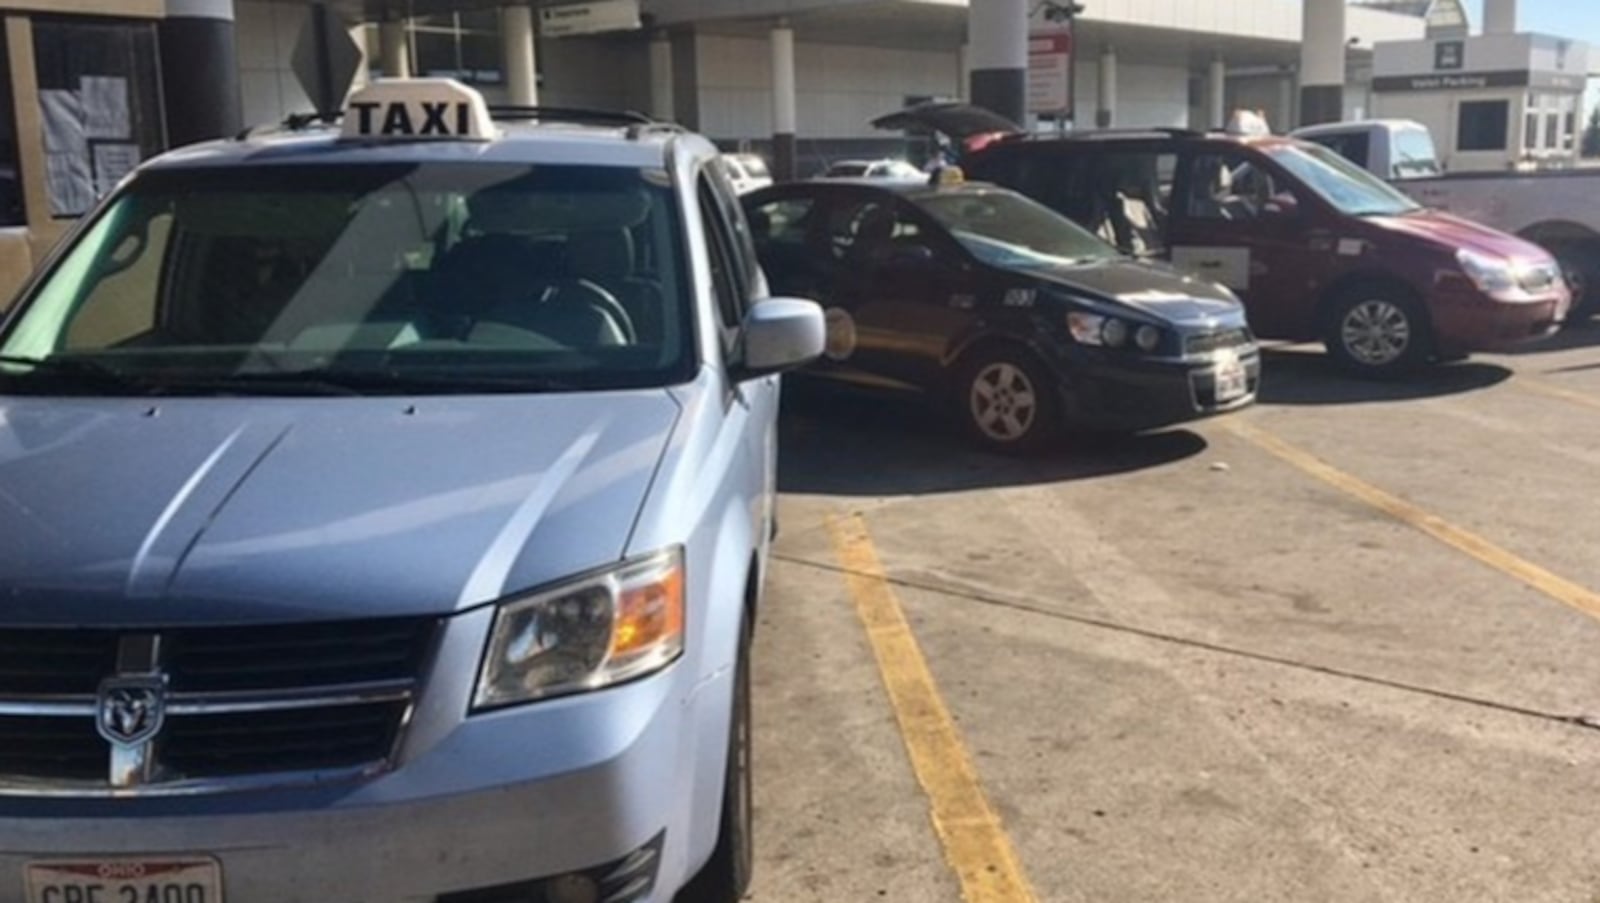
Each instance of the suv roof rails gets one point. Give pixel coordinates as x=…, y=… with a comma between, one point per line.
x=572, y=114
x=638, y=124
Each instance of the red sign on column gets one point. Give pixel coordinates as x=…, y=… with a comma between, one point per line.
x=1050, y=73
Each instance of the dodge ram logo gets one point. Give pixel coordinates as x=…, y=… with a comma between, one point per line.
x=130, y=710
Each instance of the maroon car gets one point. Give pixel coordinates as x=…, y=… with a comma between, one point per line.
x=1316, y=247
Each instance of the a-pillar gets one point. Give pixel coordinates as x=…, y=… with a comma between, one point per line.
x=997, y=32
x=517, y=55
x=1217, y=94
x=199, y=71
x=394, y=48
x=1322, y=69
x=1106, y=114
x=1500, y=17
x=784, y=160
x=661, y=106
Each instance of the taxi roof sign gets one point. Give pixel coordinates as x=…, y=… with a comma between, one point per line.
x=948, y=177
x=412, y=109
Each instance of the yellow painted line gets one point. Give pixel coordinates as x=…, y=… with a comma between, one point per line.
x=1556, y=587
x=975, y=842
x=1540, y=387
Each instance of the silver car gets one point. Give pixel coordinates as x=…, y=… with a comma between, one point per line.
x=385, y=514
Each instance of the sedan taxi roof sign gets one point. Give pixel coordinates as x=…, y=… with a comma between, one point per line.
x=417, y=109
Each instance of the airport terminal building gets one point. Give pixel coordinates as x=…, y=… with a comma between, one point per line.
x=90, y=87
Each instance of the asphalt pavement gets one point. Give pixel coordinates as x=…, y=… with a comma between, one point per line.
x=1342, y=646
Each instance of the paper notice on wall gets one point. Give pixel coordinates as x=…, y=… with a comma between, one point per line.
x=68, y=184
x=112, y=161
x=64, y=130
x=105, y=107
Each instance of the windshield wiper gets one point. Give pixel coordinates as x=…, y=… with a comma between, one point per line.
x=80, y=368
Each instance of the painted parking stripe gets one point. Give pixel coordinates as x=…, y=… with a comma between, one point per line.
x=1551, y=390
x=975, y=842
x=1556, y=587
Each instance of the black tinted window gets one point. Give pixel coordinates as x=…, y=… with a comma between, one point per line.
x=1482, y=125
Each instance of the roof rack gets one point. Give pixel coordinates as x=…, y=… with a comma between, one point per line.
x=294, y=122
x=572, y=114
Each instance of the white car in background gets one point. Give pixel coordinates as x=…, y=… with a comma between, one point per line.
x=873, y=169
x=747, y=172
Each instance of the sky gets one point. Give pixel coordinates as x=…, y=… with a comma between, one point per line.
x=1577, y=19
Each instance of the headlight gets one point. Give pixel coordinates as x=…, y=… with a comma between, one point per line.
x=1111, y=332
x=1086, y=327
x=1115, y=332
x=596, y=631
x=1491, y=275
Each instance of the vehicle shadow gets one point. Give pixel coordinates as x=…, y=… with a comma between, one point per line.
x=840, y=443
x=1306, y=377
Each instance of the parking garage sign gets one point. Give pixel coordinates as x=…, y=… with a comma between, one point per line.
x=1050, y=73
x=594, y=17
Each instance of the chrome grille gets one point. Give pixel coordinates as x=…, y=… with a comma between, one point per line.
x=232, y=703
x=1210, y=342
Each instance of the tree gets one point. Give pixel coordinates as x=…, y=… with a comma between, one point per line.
x=1591, y=135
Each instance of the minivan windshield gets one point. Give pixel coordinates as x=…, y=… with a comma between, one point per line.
x=356, y=279
x=1005, y=229
x=1348, y=187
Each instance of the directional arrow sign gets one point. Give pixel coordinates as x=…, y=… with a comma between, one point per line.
x=325, y=61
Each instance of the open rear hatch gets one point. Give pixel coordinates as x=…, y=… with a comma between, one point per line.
x=960, y=122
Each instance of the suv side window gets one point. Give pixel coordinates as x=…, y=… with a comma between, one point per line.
x=1052, y=178
x=1130, y=195
x=727, y=279
x=1229, y=187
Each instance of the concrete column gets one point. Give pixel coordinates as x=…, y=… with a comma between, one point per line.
x=964, y=71
x=517, y=55
x=1499, y=16
x=394, y=48
x=997, y=31
x=661, y=106
x=1106, y=114
x=1283, y=121
x=199, y=71
x=1217, y=94
x=784, y=166
x=1322, y=37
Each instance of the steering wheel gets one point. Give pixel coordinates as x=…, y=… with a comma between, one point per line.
x=598, y=299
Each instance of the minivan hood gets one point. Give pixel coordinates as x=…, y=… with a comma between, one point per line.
x=1152, y=288
x=132, y=512
x=957, y=120
x=1452, y=232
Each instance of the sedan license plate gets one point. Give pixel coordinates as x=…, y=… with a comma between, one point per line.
x=1231, y=381
x=185, y=880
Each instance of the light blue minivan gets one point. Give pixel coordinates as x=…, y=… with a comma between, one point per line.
x=385, y=511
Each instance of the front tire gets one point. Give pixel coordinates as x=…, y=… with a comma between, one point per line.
x=726, y=875
x=1378, y=332
x=1007, y=401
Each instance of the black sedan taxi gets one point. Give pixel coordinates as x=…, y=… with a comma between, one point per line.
x=1023, y=322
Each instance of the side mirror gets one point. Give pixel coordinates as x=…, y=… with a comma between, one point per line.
x=781, y=334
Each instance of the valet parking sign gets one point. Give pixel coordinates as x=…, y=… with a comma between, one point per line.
x=1050, y=73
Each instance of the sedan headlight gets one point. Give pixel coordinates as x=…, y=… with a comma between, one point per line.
x=1492, y=275
x=1111, y=332
x=596, y=631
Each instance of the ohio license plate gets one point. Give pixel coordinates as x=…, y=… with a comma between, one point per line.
x=1231, y=381
x=186, y=880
